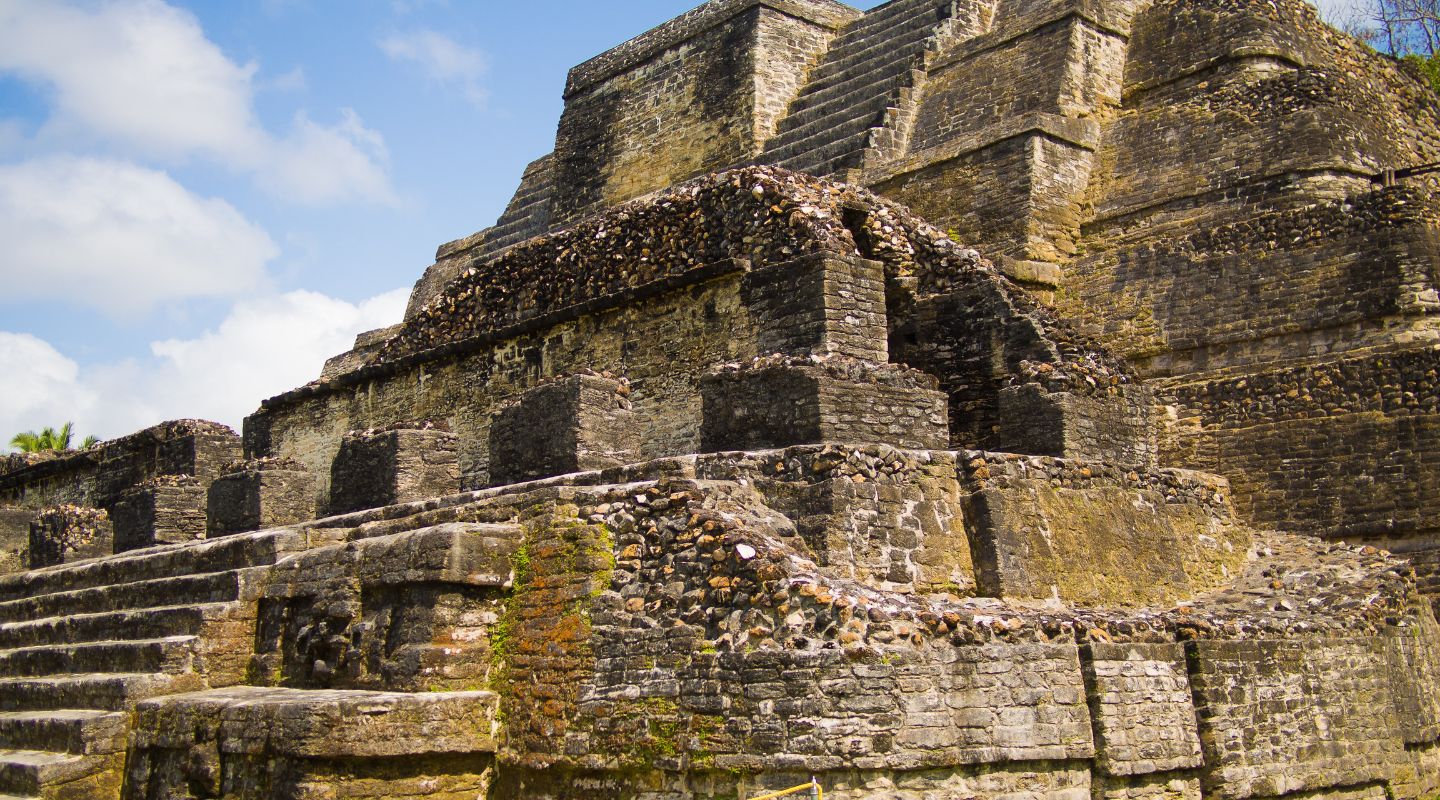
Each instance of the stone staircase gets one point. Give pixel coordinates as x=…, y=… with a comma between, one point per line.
x=527, y=215
x=858, y=91
x=81, y=644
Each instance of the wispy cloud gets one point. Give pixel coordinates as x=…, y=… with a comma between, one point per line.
x=120, y=238
x=141, y=75
x=443, y=60
x=264, y=346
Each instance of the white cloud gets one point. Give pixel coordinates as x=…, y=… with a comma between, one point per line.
x=292, y=81
x=442, y=59
x=42, y=386
x=119, y=237
x=141, y=74
x=265, y=346
x=317, y=164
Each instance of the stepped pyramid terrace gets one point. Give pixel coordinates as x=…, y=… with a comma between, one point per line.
x=967, y=398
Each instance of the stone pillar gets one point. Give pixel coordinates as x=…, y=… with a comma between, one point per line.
x=14, y=537
x=576, y=423
x=820, y=304
x=166, y=510
x=779, y=402
x=406, y=462
x=260, y=494
x=62, y=534
x=1113, y=425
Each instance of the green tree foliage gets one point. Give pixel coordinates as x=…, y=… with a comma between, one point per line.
x=1408, y=30
x=1426, y=67
x=49, y=439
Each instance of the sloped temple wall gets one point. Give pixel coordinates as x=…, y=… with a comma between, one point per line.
x=700, y=476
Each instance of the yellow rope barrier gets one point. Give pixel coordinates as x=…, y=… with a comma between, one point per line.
x=812, y=785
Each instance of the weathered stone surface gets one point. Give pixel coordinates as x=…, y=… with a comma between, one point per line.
x=1144, y=717
x=776, y=402
x=381, y=467
x=580, y=422
x=1099, y=534
x=755, y=477
x=69, y=533
x=98, y=476
x=258, y=495
x=162, y=511
x=14, y=538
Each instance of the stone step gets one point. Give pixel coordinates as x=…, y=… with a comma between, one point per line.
x=888, y=15
x=172, y=655
x=326, y=723
x=216, y=555
x=113, y=691
x=76, y=731
x=145, y=623
x=824, y=159
x=842, y=106
x=27, y=772
x=885, y=47
x=826, y=131
x=212, y=587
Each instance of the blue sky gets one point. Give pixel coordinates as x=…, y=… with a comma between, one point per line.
x=200, y=201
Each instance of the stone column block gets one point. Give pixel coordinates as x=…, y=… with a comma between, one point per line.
x=260, y=495
x=61, y=534
x=167, y=510
x=14, y=537
x=1140, y=703
x=1115, y=427
x=821, y=304
x=377, y=468
x=779, y=402
x=581, y=422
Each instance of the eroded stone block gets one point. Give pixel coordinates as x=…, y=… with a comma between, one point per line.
x=14, y=537
x=62, y=534
x=580, y=422
x=397, y=465
x=260, y=495
x=1045, y=528
x=1278, y=717
x=165, y=511
x=778, y=402
x=1143, y=716
x=1115, y=427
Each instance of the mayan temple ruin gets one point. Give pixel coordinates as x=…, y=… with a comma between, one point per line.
x=960, y=399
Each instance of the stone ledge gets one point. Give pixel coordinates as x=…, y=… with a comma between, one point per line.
x=321, y=723
x=687, y=26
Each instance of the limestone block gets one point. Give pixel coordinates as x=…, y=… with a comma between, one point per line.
x=1115, y=429
x=781, y=402
x=380, y=468
x=1045, y=528
x=1140, y=703
x=1301, y=714
x=821, y=304
x=14, y=537
x=890, y=518
x=1412, y=660
x=581, y=422
x=257, y=497
x=165, y=511
x=61, y=534
x=242, y=741
x=409, y=610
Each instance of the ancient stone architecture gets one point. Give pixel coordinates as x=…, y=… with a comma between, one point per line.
x=964, y=398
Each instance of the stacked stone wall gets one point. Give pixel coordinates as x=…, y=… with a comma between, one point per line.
x=14, y=538
x=699, y=99
x=98, y=476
